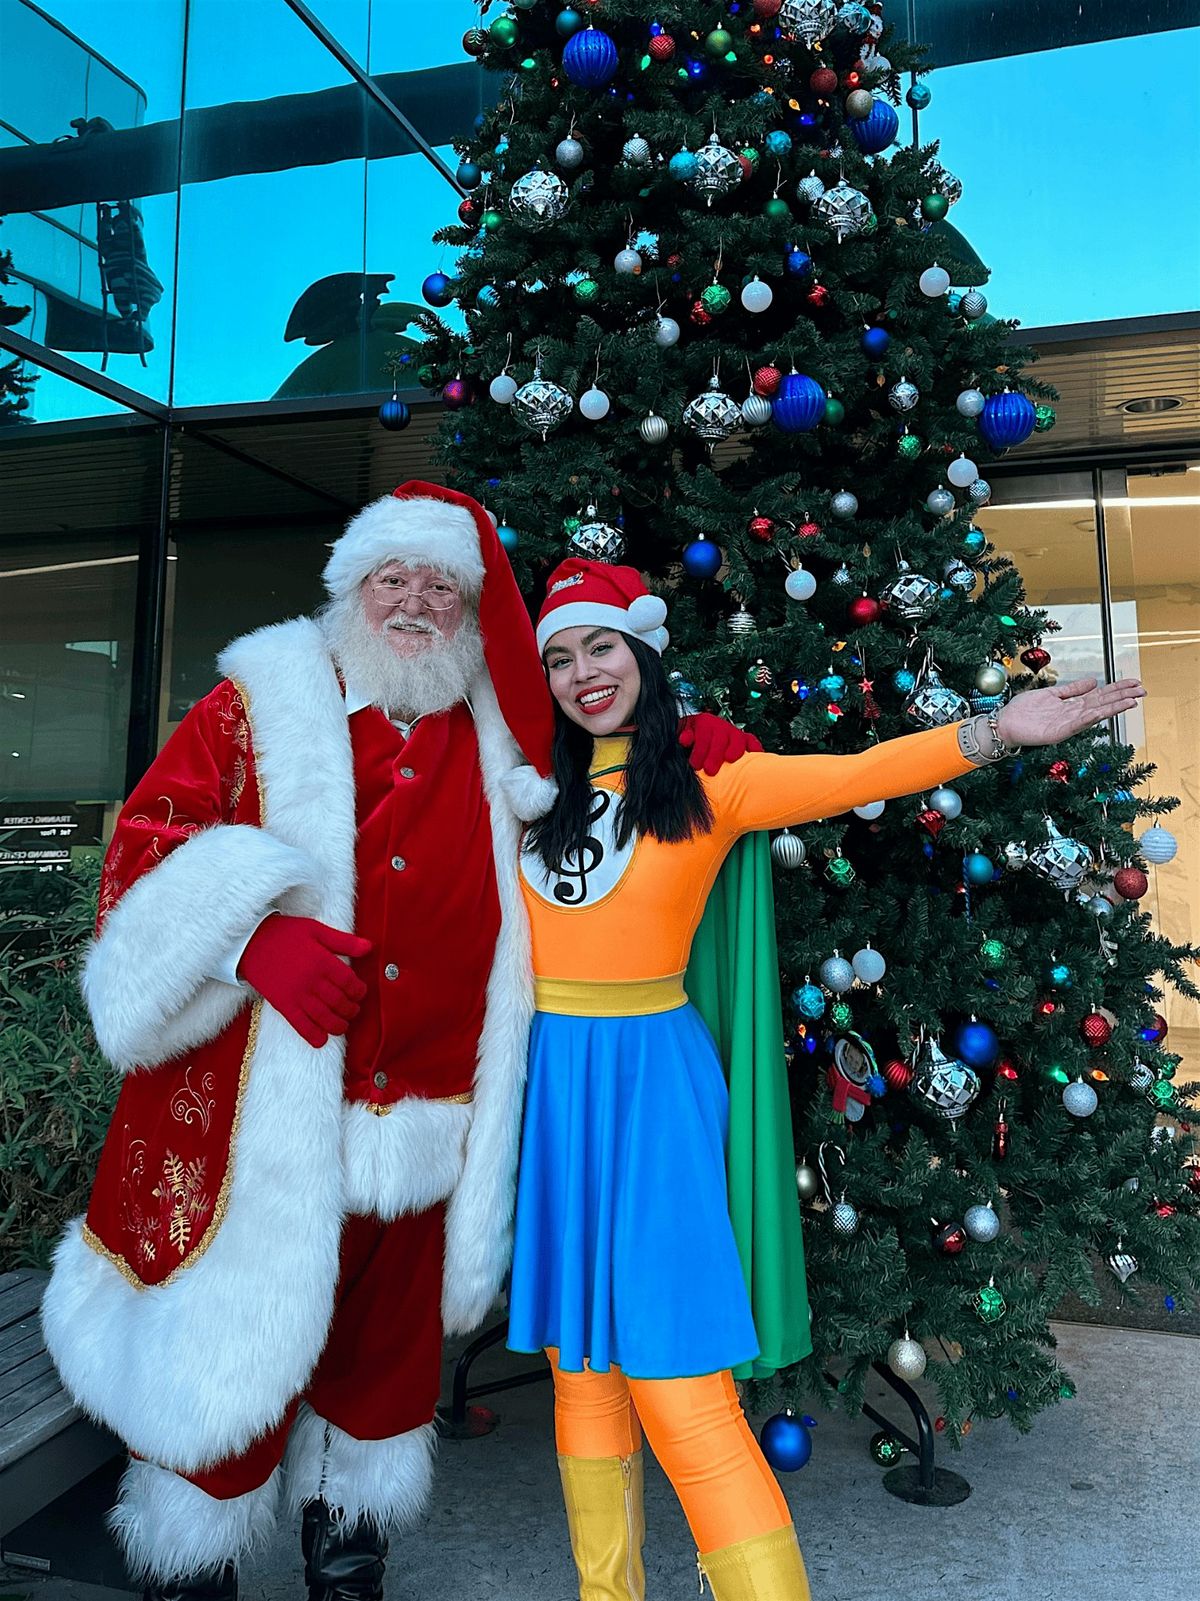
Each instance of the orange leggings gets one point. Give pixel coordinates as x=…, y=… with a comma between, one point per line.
x=699, y=1434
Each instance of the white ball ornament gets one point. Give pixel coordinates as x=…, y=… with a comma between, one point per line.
x=948, y=802
x=970, y=403
x=666, y=333
x=869, y=965
x=503, y=387
x=870, y=811
x=628, y=261
x=569, y=153
x=594, y=404
x=1080, y=1099
x=934, y=282
x=757, y=296
x=837, y=974
x=1158, y=845
x=981, y=1223
x=906, y=1357
x=800, y=584
x=962, y=473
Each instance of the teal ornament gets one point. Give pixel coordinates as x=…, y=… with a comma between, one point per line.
x=508, y=537
x=1058, y=976
x=833, y=685
x=977, y=869
x=683, y=166
x=567, y=22
x=973, y=541
x=809, y=1001
x=919, y=96
x=903, y=681
x=778, y=142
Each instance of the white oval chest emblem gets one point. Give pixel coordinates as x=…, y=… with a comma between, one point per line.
x=588, y=875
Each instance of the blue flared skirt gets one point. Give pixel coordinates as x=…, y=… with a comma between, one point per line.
x=624, y=1251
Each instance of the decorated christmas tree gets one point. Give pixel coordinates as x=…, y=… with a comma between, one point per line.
x=15, y=383
x=719, y=326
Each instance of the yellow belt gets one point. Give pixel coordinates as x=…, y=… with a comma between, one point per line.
x=577, y=997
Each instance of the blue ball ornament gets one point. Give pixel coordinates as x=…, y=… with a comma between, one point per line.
x=437, y=289
x=799, y=404
x=875, y=342
x=797, y=262
x=683, y=166
x=778, y=142
x=702, y=558
x=590, y=58
x=786, y=1441
x=976, y=1044
x=919, y=96
x=977, y=869
x=876, y=131
x=394, y=415
x=487, y=295
x=567, y=22
x=469, y=174
x=508, y=537
x=809, y=1001
x=1007, y=419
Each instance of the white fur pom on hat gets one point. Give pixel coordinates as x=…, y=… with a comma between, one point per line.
x=416, y=529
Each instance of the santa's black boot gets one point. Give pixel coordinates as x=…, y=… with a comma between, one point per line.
x=343, y=1561
x=213, y=1586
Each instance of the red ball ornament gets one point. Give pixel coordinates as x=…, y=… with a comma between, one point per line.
x=1035, y=658
x=1163, y=1209
x=1095, y=1030
x=1059, y=771
x=700, y=314
x=661, y=47
x=1193, y=1179
x=950, y=1239
x=1130, y=883
x=818, y=297
x=760, y=528
x=766, y=381
x=747, y=167
x=808, y=530
x=1155, y=1030
x=823, y=81
x=456, y=394
x=763, y=9
x=931, y=820
x=468, y=210
x=898, y=1075
x=1006, y=1071
x=674, y=259
x=863, y=610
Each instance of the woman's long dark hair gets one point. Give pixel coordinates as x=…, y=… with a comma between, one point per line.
x=663, y=795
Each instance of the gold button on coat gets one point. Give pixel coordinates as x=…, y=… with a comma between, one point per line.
x=381, y=1081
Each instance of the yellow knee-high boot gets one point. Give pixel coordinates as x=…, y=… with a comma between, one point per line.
x=767, y=1567
x=607, y=1521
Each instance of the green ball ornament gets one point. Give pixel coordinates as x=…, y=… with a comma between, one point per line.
x=504, y=32
x=934, y=207
x=586, y=291
x=993, y=954
x=716, y=299
x=427, y=377
x=777, y=206
x=989, y=1304
x=571, y=525
x=749, y=154
x=885, y=1450
x=490, y=221
x=835, y=412
x=1044, y=419
x=841, y=1014
x=909, y=447
x=719, y=42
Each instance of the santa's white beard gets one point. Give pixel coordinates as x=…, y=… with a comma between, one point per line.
x=438, y=676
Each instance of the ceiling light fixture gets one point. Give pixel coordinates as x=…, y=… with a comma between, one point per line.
x=1147, y=405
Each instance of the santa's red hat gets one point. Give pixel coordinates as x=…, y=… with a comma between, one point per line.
x=424, y=524
x=583, y=593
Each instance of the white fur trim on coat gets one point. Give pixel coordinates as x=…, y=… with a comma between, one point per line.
x=384, y=1482
x=147, y=978
x=169, y=1528
x=191, y=1371
x=479, y=1217
x=418, y=530
x=406, y=1161
x=529, y=794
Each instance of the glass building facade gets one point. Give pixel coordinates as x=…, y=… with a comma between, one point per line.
x=219, y=215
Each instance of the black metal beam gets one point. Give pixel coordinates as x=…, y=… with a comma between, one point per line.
x=54, y=361
x=958, y=31
x=149, y=627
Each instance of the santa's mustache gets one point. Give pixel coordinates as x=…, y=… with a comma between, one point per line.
x=410, y=625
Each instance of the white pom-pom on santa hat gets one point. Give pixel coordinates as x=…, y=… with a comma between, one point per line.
x=646, y=613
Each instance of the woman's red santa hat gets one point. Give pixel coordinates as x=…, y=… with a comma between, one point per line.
x=427, y=525
x=593, y=594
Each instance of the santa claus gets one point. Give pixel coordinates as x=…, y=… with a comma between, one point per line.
x=311, y=967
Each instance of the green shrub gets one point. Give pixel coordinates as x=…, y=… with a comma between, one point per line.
x=56, y=1091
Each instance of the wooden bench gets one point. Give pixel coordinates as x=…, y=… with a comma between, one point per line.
x=48, y=1448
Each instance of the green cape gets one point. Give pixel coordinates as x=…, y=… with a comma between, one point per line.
x=733, y=982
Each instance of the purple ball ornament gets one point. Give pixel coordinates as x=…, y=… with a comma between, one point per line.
x=1007, y=419
x=799, y=404
x=786, y=1441
x=590, y=58
x=876, y=132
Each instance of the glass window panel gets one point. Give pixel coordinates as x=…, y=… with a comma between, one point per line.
x=407, y=38
x=1046, y=524
x=89, y=102
x=1152, y=524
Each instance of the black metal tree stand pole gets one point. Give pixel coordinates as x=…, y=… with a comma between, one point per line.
x=924, y=1484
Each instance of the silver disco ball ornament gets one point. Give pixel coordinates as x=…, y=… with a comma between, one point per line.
x=943, y=182
x=903, y=396
x=906, y=1357
x=636, y=151
x=1062, y=861
x=718, y=170
x=653, y=429
x=756, y=411
x=934, y=704
x=787, y=850
x=910, y=596
x=596, y=540
x=844, y=211
x=713, y=415
x=541, y=405
x=844, y=1218
x=981, y=1223
x=810, y=189
x=943, y=1083
x=809, y=20
x=539, y=198
x=741, y=622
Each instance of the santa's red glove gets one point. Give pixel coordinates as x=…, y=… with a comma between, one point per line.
x=713, y=742
x=295, y=963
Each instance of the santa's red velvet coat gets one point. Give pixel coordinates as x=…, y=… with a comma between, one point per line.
x=191, y=1303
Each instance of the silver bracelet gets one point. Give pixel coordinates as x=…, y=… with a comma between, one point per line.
x=971, y=740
